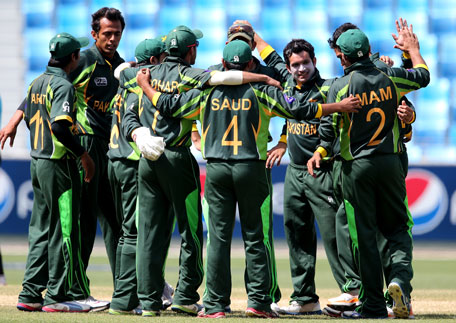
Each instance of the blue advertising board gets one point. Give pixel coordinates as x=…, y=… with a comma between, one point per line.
x=431, y=197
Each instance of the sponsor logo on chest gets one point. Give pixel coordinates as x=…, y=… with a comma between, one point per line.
x=101, y=81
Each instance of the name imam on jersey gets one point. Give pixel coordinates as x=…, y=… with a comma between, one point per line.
x=385, y=94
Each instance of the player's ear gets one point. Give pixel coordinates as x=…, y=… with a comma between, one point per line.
x=253, y=45
x=314, y=61
x=94, y=34
x=223, y=63
x=249, y=65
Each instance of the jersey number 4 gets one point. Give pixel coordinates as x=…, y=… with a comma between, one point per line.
x=235, y=142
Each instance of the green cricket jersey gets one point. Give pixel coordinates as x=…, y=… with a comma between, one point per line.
x=119, y=146
x=50, y=98
x=329, y=126
x=174, y=75
x=95, y=87
x=235, y=119
x=375, y=128
x=302, y=136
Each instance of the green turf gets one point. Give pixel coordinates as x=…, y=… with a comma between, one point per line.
x=430, y=274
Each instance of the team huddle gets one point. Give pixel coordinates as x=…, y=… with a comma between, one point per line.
x=110, y=140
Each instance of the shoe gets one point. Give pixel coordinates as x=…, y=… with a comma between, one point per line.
x=191, y=309
x=392, y=316
x=150, y=313
x=71, y=307
x=167, y=296
x=329, y=311
x=95, y=305
x=135, y=311
x=354, y=315
x=251, y=312
x=2, y=280
x=216, y=315
x=401, y=307
x=297, y=309
x=227, y=309
x=345, y=301
x=275, y=307
x=29, y=307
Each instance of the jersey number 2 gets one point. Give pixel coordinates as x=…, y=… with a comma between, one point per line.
x=235, y=142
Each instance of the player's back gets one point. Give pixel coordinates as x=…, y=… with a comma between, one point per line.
x=234, y=124
x=374, y=129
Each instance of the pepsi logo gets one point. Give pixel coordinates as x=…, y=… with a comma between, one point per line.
x=7, y=195
x=427, y=198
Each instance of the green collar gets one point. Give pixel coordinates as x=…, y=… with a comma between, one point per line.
x=56, y=71
x=175, y=59
x=103, y=60
x=361, y=65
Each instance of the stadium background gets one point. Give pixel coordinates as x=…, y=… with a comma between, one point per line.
x=27, y=26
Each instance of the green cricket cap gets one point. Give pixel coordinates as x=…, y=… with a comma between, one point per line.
x=148, y=48
x=64, y=44
x=237, y=51
x=180, y=39
x=353, y=43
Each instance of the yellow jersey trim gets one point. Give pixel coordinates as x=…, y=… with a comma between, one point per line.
x=155, y=98
x=322, y=152
x=283, y=138
x=422, y=65
x=319, y=112
x=266, y=52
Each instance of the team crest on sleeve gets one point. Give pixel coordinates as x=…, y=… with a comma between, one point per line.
x=66, y=107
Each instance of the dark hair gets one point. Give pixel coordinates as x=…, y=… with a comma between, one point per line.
x=353, y=60
x=339, y=31
x=236, y=66
x=296, y=46
x=112, y=14
x=62, y=61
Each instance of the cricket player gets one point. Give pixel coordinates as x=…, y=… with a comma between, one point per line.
x=330, y=147
x=235, y=126
x=123, y=172
x=305, y=198
x=95, y=88
x=242, y=30
x=373, y=180
x=168, y=187
x=53, y=261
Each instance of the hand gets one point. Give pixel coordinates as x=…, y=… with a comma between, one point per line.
x=273, y=82
x=314, y=163
x=196, y=139
x=242, y=22
x=404, y=112
x=406, y=40
x=143, y=77
x=88, y=166
x=387, y=60
x=275, y=154
x=9, y=131
x=350, y=104
x=150, y=146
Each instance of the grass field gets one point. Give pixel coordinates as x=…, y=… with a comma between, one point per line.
x=434, y=295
